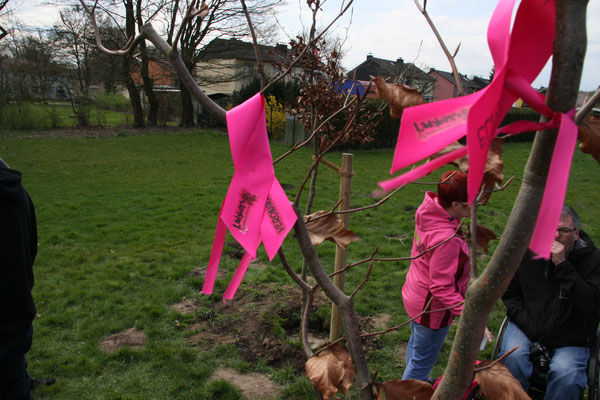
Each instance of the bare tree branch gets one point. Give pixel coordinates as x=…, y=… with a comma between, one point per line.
x=496, y=361
x=366, y=276
x=587, y=107
x=450, y=57
x=259, y=67
x=311, y=43
x=349, y=266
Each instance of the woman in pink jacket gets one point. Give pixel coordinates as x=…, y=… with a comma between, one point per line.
x=438, y=279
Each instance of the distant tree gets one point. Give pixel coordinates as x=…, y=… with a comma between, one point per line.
x=31, y=69
x=225, y=18
x=285, y=92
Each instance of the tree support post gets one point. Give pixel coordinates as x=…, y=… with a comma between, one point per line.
x=335, y=329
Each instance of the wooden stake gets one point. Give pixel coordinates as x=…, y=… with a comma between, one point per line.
x=335, y=330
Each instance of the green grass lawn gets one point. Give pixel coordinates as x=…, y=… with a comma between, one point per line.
x=122, y=221
x=57, y=115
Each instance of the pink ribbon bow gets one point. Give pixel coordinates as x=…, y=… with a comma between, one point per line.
x=255, y=208
x=518, y=59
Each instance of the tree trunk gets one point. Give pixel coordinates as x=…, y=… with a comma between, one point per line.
x=569, y=51
x=349, y=318
x=148, y=83
x=187, y=108
x=134, y=96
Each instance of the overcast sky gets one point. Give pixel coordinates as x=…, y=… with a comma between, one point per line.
x=394, y=29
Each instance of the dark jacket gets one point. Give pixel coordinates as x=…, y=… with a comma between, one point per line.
x=557, y=305
x=18, y=248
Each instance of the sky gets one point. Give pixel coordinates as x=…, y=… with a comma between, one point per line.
x=393, y=29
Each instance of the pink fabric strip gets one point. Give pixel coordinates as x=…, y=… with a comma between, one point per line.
x=235, y=282
x=556, y=187
x=422, y=170
x=215, y=257
x=255, y=209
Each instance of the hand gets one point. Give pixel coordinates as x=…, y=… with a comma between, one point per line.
x=558, y=252
x=488, y=335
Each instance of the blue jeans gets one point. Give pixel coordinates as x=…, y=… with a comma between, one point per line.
x=14, y=379
x=423, y=350
x=567, y=376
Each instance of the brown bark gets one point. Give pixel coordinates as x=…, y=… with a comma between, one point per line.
x=349, y=319
x=569, y=51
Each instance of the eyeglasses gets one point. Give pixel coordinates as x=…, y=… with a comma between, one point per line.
x=565, y=231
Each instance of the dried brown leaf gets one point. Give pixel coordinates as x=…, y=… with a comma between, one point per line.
x=494, y=170
x=589, y=136
x=494, y=166
x=200, y=13
x=328, y=227
x=398, y=97
x=330, y=371
x=484, y=235
x=462, y=163
x=343, y=356
x=497, y=383
x=410, y=389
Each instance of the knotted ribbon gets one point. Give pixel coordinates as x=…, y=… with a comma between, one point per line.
x=518, y=59
x=255, y=208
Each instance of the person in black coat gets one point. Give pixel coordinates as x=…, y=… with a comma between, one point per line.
x=18, y=249
x=552, y=307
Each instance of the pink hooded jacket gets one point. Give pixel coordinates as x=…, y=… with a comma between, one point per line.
x=442, y=273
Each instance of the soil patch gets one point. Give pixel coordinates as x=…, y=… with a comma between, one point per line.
x=131, y=338
x=253, y=385
x=402, y=351
x=260, y=322
x=200, y=272
x=380, y=321
x=187, y=306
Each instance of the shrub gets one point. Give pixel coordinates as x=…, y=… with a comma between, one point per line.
x=24, y=116
x=275, y=117
x=113, y=102
x=169, y=109
x=518, y=114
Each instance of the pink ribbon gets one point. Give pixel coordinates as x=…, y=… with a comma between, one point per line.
x=255, y=208
x=519, y=56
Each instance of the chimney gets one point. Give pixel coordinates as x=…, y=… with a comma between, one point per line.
x=400, y=61
x=281, y=48
x=369, y=56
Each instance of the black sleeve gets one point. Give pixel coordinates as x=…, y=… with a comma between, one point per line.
x=583, y=292
x=515, y=307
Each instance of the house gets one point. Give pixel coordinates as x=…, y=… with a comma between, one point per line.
x=227, y=65
x=445, y=84
x=163, y=74
x=397, y=71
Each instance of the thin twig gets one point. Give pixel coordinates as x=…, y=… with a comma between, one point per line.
x=290, y=271
x=587, y=107
x=368, y=273
x=310, y=295
x=312, y=42
x=500, y=188
x=395, y=328
x=349, y=266
x=450, y=57
x=297, y=145
x=259, y=67
x=129, y=46
x=349, y=123
x=472, y=242
x=496, y=360
x=336, y=205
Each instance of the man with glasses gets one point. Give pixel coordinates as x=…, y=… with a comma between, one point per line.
x=552, y=307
